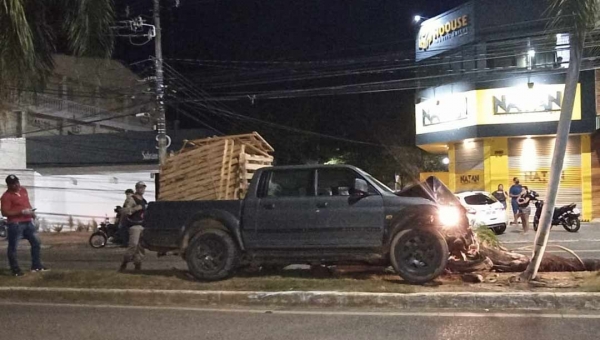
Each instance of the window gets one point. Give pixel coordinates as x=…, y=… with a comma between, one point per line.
x=335, y=182
x=479, y=199
x=289, y=183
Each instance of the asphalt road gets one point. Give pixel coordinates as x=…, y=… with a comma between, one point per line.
x=70, y=322
x=586, y=243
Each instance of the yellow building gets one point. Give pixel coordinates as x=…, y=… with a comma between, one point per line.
x=494, y=134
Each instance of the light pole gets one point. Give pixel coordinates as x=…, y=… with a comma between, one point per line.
x=160, y=107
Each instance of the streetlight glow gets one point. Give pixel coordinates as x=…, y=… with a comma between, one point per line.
x=417, y=18
x=531, y=53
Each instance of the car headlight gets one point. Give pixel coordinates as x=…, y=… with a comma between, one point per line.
x=449, y=216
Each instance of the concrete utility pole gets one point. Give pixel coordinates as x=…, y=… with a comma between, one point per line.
x=160, y=107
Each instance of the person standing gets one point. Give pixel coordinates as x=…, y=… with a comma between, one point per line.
x=524, y=209
x=514, y=193
x=500, y=195
x=122, y=220
x=135, y=209
x=17, y=209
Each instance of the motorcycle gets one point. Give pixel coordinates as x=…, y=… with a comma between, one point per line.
x=108, y=233
x=3, y=229
x=567, y=216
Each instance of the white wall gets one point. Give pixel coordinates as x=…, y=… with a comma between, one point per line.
x=85, y=196
x=13, y=153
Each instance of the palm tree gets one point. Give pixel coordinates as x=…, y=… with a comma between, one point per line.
x=32, y=30
x=577, y=17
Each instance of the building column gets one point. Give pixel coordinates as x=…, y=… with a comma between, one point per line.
x=495, y=155
x=586, y=177
x=452, y=167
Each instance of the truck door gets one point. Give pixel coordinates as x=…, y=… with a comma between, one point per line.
x=282, y=215
x=342, y=220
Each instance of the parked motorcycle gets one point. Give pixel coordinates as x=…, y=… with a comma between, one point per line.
x=3, y=228
x=567, y=216
x=107, y=233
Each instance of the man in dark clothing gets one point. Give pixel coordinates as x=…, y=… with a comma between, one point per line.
x=134, y=209
x=17, y=209
x=514, y=192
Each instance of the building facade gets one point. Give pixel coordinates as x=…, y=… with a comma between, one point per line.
x=495, y=111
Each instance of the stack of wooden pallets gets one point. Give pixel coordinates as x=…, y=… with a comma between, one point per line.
x=218, y=168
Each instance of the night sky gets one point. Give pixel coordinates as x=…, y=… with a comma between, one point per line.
x=293, y=30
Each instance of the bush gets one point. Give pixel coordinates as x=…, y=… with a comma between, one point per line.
x=80, y=226
x=71, y=223
x=58, y=228
x=487, y=237
x=94, y=226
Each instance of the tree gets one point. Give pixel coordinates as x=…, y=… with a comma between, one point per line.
x=577, y=17
x=32, y=30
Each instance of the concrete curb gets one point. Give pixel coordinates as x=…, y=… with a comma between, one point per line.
x=525, y=300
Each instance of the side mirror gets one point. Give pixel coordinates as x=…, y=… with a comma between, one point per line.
x=361, y=187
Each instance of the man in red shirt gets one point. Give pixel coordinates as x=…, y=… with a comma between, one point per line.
x=17, y=209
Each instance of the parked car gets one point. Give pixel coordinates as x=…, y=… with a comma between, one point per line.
x=484, y=210
x=313, y=215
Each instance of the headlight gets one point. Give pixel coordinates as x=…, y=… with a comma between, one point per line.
x=449, y=216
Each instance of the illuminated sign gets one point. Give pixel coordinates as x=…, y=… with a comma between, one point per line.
x=445, y=32
x=444, y=111
x=521, y=104
x=535, y=101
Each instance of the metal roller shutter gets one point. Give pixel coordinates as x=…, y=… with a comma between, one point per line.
x=530, y=160
x=469, y=166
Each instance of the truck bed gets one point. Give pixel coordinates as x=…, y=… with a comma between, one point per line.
x=165, y=221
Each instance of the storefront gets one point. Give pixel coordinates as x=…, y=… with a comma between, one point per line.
x=494, y=134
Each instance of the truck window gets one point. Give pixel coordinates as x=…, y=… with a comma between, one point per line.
x=289, y=183
x=337, y=182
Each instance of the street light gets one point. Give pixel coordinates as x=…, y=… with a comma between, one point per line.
x=418, y=18
x=446, y=160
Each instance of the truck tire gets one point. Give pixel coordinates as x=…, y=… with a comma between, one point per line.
x=212, y=255
x=419, y=255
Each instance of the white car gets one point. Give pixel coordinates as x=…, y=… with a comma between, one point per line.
x=484, y=210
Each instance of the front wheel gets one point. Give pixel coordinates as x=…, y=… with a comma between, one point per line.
x=572, y=225
x=419, y=255
x=212, y=255
x=98, y=240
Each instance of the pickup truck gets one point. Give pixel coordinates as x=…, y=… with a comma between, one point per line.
x=329, y=215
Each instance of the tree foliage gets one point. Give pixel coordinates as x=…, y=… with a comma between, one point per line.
x=32, y=30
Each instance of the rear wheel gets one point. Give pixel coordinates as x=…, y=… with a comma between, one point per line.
x=572, y=225
x=212, y=255
x=98, y=239
x=419, y=255
x=499, y=230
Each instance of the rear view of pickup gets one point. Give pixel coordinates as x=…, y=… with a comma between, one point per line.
x=306, y=214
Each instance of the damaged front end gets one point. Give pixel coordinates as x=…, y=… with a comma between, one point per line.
x=452, y=215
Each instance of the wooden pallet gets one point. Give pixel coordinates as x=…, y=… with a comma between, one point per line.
x=218, y=168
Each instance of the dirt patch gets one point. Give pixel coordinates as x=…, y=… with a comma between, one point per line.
x=65, y=239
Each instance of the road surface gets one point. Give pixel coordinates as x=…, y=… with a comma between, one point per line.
x=586, y=242
x=71, y=322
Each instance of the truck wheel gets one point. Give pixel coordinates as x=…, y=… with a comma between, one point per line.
x=419, y=255
x=212, y=255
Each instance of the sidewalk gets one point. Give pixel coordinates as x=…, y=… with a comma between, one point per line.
x=579, y=291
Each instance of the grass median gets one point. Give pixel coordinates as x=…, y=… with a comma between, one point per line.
x=295, y=280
